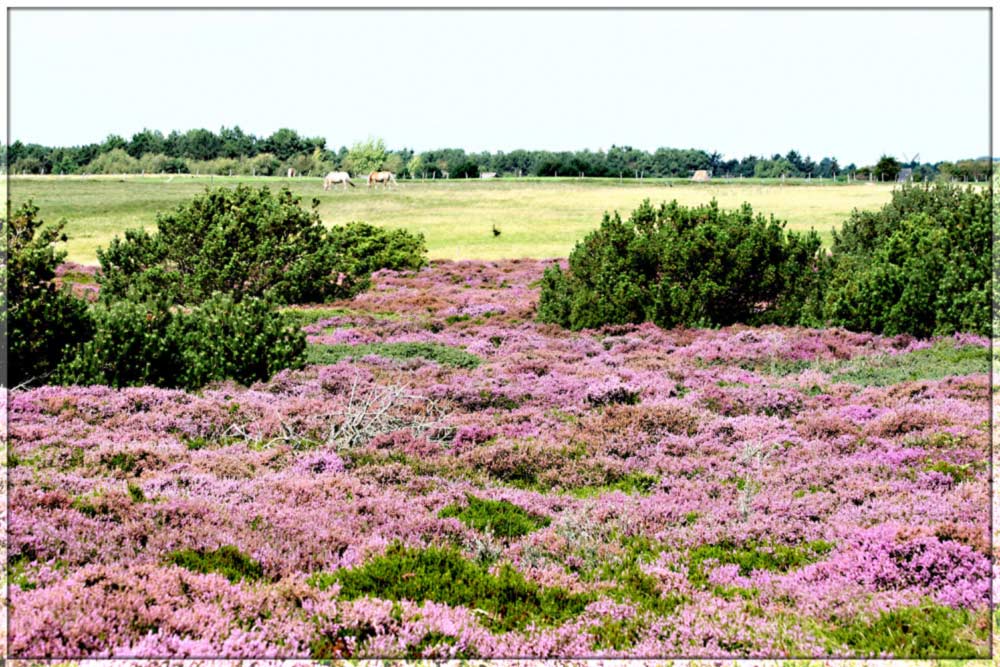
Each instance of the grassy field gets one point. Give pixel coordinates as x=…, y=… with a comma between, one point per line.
x=537, y=218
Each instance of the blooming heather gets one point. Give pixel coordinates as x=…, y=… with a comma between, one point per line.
x=726, y=493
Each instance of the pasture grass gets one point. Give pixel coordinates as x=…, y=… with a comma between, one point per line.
x=537, y=218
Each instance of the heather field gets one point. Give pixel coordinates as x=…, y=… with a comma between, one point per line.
x=448, y=478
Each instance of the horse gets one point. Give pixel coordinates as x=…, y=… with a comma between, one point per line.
x=291, y=173
x=335, y=177
x=383, y=177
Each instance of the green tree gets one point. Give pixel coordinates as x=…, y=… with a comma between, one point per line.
x=200, y=144
x=147, y=141
x=415, y=166
x=365, y=157
x=115, y=161
x=285, y=143
x=393, y=162
x=887, y=168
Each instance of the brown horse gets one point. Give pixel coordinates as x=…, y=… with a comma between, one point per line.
x=383, y=177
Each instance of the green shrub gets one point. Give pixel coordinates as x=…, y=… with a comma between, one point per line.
x=674, y=265
x=444, y=575
x=247, y=242
x=243, y=241
x=42, y=320
x=920, y=265
x=502, y=518
x=151, y=343
x=227, y=560
x=437, y=352
x=927, y=631
x=363, y=249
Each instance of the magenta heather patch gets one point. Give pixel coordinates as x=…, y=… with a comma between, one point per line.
x=704, y=493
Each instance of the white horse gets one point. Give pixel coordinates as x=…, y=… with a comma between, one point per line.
x=335, y=177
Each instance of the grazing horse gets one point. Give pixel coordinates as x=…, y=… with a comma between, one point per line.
x=335, y=177
x=383, y=177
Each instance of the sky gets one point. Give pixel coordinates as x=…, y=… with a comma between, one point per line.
x=854, y=84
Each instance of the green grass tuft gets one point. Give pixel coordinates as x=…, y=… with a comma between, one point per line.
x=941, y=360
x=442, y=354
x=752, y=556
x=443, y=575
x=135, y=493
x=227, y=560
x=638, y=483
x=927, y=631
x=301, y=317
x=502, y=518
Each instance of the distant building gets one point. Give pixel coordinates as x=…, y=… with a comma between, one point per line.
x=701, y=175
x=905, y=175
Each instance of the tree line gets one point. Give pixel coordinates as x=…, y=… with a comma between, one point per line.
x=232, y=151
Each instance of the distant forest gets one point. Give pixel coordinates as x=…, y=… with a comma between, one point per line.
x=231, y=151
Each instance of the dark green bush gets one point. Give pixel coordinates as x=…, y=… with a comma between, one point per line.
x=240, y=241
x=362, y=249
x=674, y=265
x=445, y=576
x=247, y=242
x=155, y=344
x=42, y=320
x=502, y=518
x=920, y=265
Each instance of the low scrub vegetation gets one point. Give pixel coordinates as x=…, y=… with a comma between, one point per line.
x=444, y=575
x=674, y=265
x=193, y=302
x=42, y=320
x=919, y=266
x=150, y=343
x=499, y=517
x=436, y=352
x=249, y=242
x=227, y=560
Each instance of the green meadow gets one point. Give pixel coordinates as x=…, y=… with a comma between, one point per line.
x=538, y=218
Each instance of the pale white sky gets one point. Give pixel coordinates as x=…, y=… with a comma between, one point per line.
x=847, y=83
